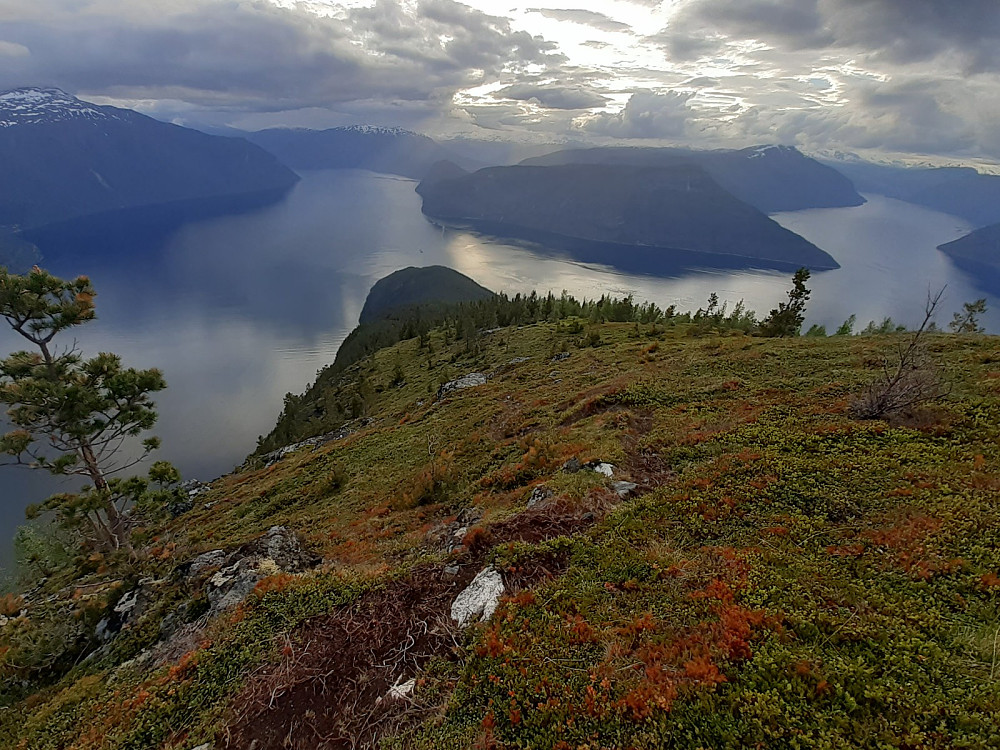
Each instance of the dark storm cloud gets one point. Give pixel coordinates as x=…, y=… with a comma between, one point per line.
x=554, y=96
x=899, y=31
x=252, y=55
x=584, y=17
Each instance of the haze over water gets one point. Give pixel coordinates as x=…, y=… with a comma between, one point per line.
x=239, y=310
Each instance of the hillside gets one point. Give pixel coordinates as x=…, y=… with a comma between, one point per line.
x=416, y=286
x=960, y=191
x=634, y=218
x=978, y=253
x=389, y=150
x=698, y=546
x=64, y=158
x=770, y=178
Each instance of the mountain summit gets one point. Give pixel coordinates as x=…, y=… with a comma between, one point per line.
x=65, y=158
x=33, y=106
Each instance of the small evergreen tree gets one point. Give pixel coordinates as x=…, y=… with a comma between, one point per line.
x=73, y=416
x=847, y=327
x=967, y=321
x=786, y=319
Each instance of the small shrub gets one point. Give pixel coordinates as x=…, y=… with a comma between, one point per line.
x=911, y=383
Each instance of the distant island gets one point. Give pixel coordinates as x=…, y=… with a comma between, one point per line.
x=642, y=219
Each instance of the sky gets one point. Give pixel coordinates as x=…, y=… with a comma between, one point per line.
x=917, y=80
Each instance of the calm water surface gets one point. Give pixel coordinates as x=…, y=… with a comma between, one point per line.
x=239, y=310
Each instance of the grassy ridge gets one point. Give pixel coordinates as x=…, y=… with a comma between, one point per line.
x=784, y=576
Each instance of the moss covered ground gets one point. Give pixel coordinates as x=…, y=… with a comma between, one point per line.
x=783, y=575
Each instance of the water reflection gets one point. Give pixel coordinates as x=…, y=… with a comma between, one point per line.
x=238, y=310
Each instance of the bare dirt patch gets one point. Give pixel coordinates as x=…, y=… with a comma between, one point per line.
x=331, y=688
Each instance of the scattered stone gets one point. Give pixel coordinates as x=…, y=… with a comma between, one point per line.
x=206, y=560
x=210, y=505
x=518, y=360
x=452, y=570
x=572, y=466
x=103, y=630
x=273, y=457
x=469, y=516
x=472, y=380
x=539, y=495
x=127, y=603
x=560, y=357
x=404, y=690
x=278, y=550
x=233, y=584
x=179, y=508
x=601, y=467
x=478, y=601
x=623, y=489
x=194, y=487
x=206, y=746
x=457, y=536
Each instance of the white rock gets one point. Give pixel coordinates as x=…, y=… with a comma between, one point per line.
x=127, y=603
x=404, y=690
x=471, y=380
x=605, y=469
x=478, y=601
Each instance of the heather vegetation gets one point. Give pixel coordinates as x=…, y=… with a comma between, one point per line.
x=778, y=572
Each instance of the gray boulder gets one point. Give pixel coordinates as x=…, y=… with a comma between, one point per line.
x=472, y=380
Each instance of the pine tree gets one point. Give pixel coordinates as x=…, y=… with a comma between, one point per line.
x=74, y=416
x=787, y=318
x=967, y=321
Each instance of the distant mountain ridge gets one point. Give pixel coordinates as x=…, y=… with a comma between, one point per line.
x=960, y=191
x=378, y=149
x=770, y=178
x=64, y=159
x=634, y=218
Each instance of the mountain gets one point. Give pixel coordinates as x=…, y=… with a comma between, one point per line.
x=960, y=191
x=389, y=150
x=770, y=178
x=631, y=530
x=415, y=286
x=64, y=158
x=978, y=253
x=635, y=218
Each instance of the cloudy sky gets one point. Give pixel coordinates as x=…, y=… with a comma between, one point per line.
x=875, y=77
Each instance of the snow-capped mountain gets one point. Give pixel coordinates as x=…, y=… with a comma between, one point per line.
x=32, y=106
x=64, y=158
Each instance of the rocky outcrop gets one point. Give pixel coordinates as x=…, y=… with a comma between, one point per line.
x=472, y=380
x=278, y=551
x=479, y=601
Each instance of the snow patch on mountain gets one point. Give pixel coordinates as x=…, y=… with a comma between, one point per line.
x=32, y=106
x=375, y=130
